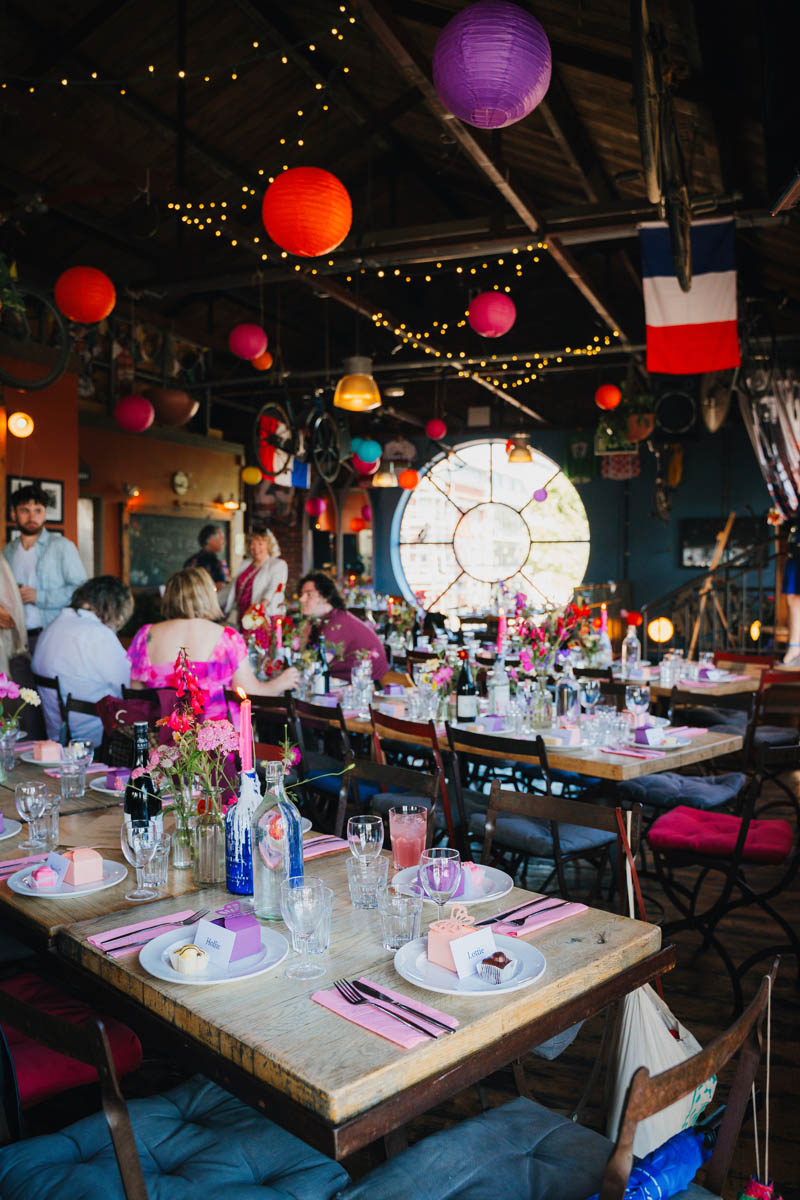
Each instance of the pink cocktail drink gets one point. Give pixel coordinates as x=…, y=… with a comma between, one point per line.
x=408, y=827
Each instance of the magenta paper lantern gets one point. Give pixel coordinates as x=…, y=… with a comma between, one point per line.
x=491, y=314
x=492, y=64
x=366, y=513
x=436, y=429
x=247, y=341
x=134, y=414
x=540, y=495
x=315, y=506
x=365, y=468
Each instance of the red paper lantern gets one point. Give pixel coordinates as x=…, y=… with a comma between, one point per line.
x=608, y=396
x=436, y=429
x=366, y=513
x=357, y=524
x=315, y=506
x=247, y=341
x=85, y=294
x=262, y=362
x=134, y=414
x=509, y=445
x=172, y=406
x=491, y=314
x=408, y=479
x=365, y=468
x=307, y=211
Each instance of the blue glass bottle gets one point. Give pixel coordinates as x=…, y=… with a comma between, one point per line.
x=238, y=836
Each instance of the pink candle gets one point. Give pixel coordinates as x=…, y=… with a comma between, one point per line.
x=603, y=617
x=501, y=629
x=245, y=733
x=278, y=634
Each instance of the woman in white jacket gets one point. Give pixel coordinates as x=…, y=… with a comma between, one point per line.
x=261, y=580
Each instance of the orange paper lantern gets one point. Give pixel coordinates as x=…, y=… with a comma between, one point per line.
x=608, y=396
x=262, y=362
x=357, y=524
x=85, y=294
x=408, y=479
x=307, y=211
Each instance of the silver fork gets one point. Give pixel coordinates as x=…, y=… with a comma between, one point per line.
x=349, y=993
x=152, y=932
x=536, y=913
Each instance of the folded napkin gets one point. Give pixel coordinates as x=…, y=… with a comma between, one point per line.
x=381, y=1023
x=94, y=769
x=11, y=865
x=539, y=918
x=632, y=753
x=685, y=730
x=138, y=929
x=22, y=747
x=316, y=849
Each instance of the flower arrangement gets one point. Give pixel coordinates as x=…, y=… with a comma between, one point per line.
x=436, y=673
x=262, y=640
x=541, y=641
x=12, y=691
x=402, y=617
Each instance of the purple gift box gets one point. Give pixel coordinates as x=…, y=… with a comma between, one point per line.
x=492, y=724
x=243, y=925
x=648, y=735
x=394, y=689
x=117, y=778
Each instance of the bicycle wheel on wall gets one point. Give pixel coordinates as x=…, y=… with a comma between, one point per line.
x=645, y=92
x=34, y=331
x=273, y=439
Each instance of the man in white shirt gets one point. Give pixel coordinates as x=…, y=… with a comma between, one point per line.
x=81, y=649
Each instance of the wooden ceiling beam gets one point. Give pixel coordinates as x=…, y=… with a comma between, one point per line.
x=52, y=51
x=408, y=60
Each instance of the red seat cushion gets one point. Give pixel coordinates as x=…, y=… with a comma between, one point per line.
x=715, y=833
x=42, y=1073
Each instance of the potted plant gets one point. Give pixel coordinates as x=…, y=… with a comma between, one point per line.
x=639, y=412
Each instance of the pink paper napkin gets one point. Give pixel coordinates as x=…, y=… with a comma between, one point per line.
x=22, y=747
x=55, y=772
x=138, y=928
x=632, y=753
x=381, y=1023
x=317, y=849
x=540, y=918
x=14, y=864
x=686, y=730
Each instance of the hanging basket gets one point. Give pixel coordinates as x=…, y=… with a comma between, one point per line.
x=640, y=426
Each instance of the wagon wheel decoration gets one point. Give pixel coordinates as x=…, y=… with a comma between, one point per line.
x=273, y=439
x=325, y=445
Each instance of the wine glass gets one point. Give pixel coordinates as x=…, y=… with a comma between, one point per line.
x=30, y=799
x=440, y=873
x=590, y=693
x=365, y=835
x=139, y=840
x=302, y=908
x=637, y=699
x=80, y=752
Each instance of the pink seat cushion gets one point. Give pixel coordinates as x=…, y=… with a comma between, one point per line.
x=42, y=1073
x=715, y=833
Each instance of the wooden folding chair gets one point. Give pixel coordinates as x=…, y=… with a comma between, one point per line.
x=376, y=787
x=73, y=704
x=48, y=682
x=324, y=744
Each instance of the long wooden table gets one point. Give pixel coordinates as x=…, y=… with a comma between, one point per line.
x=721, y=687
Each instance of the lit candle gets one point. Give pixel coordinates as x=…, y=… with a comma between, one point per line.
x=245, y=730
x=278, y=634
x=389, y=604
x=501, y=629
x=603, y=617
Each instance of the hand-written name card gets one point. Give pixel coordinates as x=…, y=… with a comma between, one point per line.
x=217, y=942
x=468, y=951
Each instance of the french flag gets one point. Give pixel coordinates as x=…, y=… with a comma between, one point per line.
x=689, y=333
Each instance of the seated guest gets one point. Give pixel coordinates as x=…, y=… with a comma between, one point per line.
x=81, y=649
x=261, y=580
x=322, y=602
x=13, y=634
x=218, y=653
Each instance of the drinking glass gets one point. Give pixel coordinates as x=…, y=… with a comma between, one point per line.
x=637, y=699
x=350, y=698
x=320, y=939
x=302, y=908
x=156, y=871
x=408, y=830
x=590, y=693
x=399, y=916
x=8, y=749
x=45, y=827
x=365, y=836
x=413, y=705
x=73, y=779
x=440, y=873
x=30, y=799
x=80, y=752
x=139, y=841
x=365, y=879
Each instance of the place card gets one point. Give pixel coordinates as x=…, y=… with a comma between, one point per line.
x=468, y=951
x=59, y=864
x=217, y=942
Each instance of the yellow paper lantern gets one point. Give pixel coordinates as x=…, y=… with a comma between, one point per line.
x=660, y=629
x=251, y=475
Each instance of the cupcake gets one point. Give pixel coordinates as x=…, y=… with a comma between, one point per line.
x=496, y=967
x=189, y=960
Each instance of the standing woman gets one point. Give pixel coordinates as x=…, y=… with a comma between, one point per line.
x=261, y=580
x=13, y=634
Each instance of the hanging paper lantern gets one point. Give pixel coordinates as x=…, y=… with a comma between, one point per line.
x=491, y=314
x=85, y=294
x=173, y=407
x=316, y=505
x=307, y=211
x=252, y=476
x=369, y=451
x=608, y=396
x=492, y=64
x=247, y=341
x=366, y=513
x=436, y=429
x=134, y=414
x=540, y=495
x=364, y=468
x=357, y=524
x=356, y=444
x=408, y=479
x=262, y=362
x=510, y=445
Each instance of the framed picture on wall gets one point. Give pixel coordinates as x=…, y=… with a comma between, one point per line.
x=53, y=489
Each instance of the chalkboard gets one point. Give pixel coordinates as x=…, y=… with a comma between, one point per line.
x=160, y=543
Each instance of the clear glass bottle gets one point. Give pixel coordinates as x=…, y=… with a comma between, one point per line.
x=277, y=842
x=499, y=688
x=568, y=705
x=631, y=652
x=605, y=651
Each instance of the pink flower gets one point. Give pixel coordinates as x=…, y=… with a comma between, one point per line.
x=137, y=772
x=8, y=688
x=295, y=757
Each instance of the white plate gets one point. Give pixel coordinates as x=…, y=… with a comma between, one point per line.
x=411, y=961
x=552, y=743
x=498, y=884
x=27, y=756
x=10, y=829
x=107, y=791
x=154, y=957
x=669, y=743
x=113, y=873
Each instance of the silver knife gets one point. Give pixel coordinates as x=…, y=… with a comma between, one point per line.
x=403, y=1020
x=510, y=912
x=157, y=931
x=371, y=991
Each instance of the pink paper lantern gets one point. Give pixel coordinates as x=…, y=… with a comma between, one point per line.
x=316, y=506
x=134, y=414
x=247, y=341
x=365, y=468
x=436, y=429
x=366, y=513
x=491, y=314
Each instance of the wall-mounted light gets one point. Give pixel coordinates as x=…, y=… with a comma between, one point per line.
x=231, y=504
x=20, y=424
x=131, y=490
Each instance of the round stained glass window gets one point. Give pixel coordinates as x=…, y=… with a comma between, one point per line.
x=475, y=521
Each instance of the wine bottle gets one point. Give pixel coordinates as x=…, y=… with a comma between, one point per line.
x=325, y=670
x=142, y=802
x=466, y=691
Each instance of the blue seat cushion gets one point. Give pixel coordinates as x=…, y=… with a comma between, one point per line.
x=775, y=735
x=534, y=837
x=710, y=715
x=329, y=770
x=194, y=1141
x=518, y=1150
x=666, y=790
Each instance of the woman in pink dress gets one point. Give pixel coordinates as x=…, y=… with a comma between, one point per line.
x=218, y=653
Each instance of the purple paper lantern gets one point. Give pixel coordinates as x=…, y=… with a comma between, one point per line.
x=492, y=64
x=491, y=314
x=540, y=495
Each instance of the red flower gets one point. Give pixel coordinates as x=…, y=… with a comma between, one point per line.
x=633, y=618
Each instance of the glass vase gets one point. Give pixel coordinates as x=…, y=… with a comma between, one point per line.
x=541, y=704
x=209, y=848
x=182, y=847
